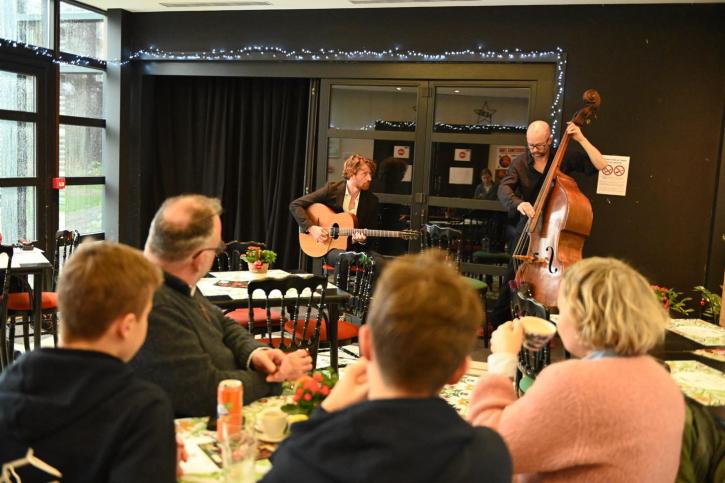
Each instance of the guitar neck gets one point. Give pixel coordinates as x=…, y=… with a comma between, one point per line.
x=370, y=233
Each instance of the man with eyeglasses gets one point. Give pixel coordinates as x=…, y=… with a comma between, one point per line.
x=524, y=177
x=191, y=346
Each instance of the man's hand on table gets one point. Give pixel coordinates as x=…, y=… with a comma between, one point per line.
x=281, y=366
x=350, y=389
x=181, y=455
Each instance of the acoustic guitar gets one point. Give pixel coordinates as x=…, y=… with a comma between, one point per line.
x=340, y=226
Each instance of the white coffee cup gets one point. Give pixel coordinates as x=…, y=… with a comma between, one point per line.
x=537, y=332
x=273, y=422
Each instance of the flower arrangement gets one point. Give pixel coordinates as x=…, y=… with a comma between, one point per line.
x=310, y=391
x=672, y=301
x=710, y=303
x=257, y=257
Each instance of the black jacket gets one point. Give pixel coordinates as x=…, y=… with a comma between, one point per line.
x=394, y=440
x=86, y=414
x=332, y=195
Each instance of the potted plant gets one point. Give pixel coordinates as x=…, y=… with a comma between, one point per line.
x=310, y=390
x=259, y=260
x=672, y=301
x=710, y=304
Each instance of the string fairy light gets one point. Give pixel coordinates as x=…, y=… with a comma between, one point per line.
x=274, y=53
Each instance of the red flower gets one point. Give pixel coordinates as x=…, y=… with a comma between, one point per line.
x=317, y=377
x=325, y=390
x=307, y=397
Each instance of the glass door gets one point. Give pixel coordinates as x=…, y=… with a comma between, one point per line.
x=379, y=120
x=441, y=147
x=476, y=129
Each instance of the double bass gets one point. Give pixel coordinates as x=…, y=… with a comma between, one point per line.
x=554, y=237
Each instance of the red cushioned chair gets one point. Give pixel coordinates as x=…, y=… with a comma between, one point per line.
x=20, y=303
x=231, y=261
x=355, y=274
x=302, y=301
x=5, y=358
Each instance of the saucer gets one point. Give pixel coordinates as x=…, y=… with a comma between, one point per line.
x=269, y=439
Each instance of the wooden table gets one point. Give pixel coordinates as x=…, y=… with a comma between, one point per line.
x=32, y=262
x=685, y=352
x=230, y=298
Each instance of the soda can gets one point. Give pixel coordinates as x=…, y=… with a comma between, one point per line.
x=229, y=405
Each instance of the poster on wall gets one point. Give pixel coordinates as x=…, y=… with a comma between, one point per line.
x=460, y=176
x=613, y=177
x=461, y=154
x=506, y=154
x=402, y=152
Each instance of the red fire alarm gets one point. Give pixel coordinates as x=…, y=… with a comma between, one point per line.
x=58, y=183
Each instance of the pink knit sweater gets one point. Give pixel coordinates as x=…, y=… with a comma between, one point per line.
x=605, y=420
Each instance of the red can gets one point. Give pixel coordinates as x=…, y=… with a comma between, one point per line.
x=229, y=405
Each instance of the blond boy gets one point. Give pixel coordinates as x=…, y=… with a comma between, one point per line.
x=384, y=420
x=80, y=408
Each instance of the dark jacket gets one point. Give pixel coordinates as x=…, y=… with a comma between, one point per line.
x=522, y=182
x=86, y=414
x=394, y=440
x=703, y=446
x=332, y=195
x=191, y=346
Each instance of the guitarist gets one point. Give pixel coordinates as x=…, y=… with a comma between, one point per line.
x=349, y=195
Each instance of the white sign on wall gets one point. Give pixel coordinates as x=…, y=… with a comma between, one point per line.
x=613, y=177
x=462, y=155
x=402, y=152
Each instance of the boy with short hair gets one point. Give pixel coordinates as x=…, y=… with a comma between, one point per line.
x=384, y=420
x=80, y=408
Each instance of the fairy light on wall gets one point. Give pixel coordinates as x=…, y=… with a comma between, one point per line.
x=273, y=53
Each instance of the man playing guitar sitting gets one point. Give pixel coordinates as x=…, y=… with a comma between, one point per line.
x=350, y=195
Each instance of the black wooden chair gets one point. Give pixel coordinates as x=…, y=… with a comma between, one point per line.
x=5, y=346
x=447, y=239
x=530, y=363
x=355, y=273
x=451, y=240
x=20, y=303
x=231, y=259
x=300, y=301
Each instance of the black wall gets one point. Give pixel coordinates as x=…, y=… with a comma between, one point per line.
x=660, y=71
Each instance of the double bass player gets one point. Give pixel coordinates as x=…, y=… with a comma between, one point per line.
x=520, y=187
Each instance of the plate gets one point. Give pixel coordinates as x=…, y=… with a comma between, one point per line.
x=269, y=439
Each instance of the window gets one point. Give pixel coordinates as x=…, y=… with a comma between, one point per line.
x=81, y=137
x=18, y=155
x=26, y=21
x=82, y=31
x=28, y=206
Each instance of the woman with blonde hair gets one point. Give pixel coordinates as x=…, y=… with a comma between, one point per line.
x=612, y=415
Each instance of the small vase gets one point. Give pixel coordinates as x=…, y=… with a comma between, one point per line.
x=258, y=270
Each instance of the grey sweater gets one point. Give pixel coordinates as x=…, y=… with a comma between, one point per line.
x=191, y=346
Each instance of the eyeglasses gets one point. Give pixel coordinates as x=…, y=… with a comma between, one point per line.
x=218, y=250
x=538, y=146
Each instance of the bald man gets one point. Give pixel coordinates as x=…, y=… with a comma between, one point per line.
x=519, y=188
x=191, y=346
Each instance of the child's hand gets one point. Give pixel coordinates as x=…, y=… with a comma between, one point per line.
x=507, y=338
x=350, y=389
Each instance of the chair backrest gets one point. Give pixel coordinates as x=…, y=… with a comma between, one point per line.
x=448, y=239
x=298, y=299
x=231, y=259
x=355, y=274
x=66, y=241
x=4, y=356
x=523, y=304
